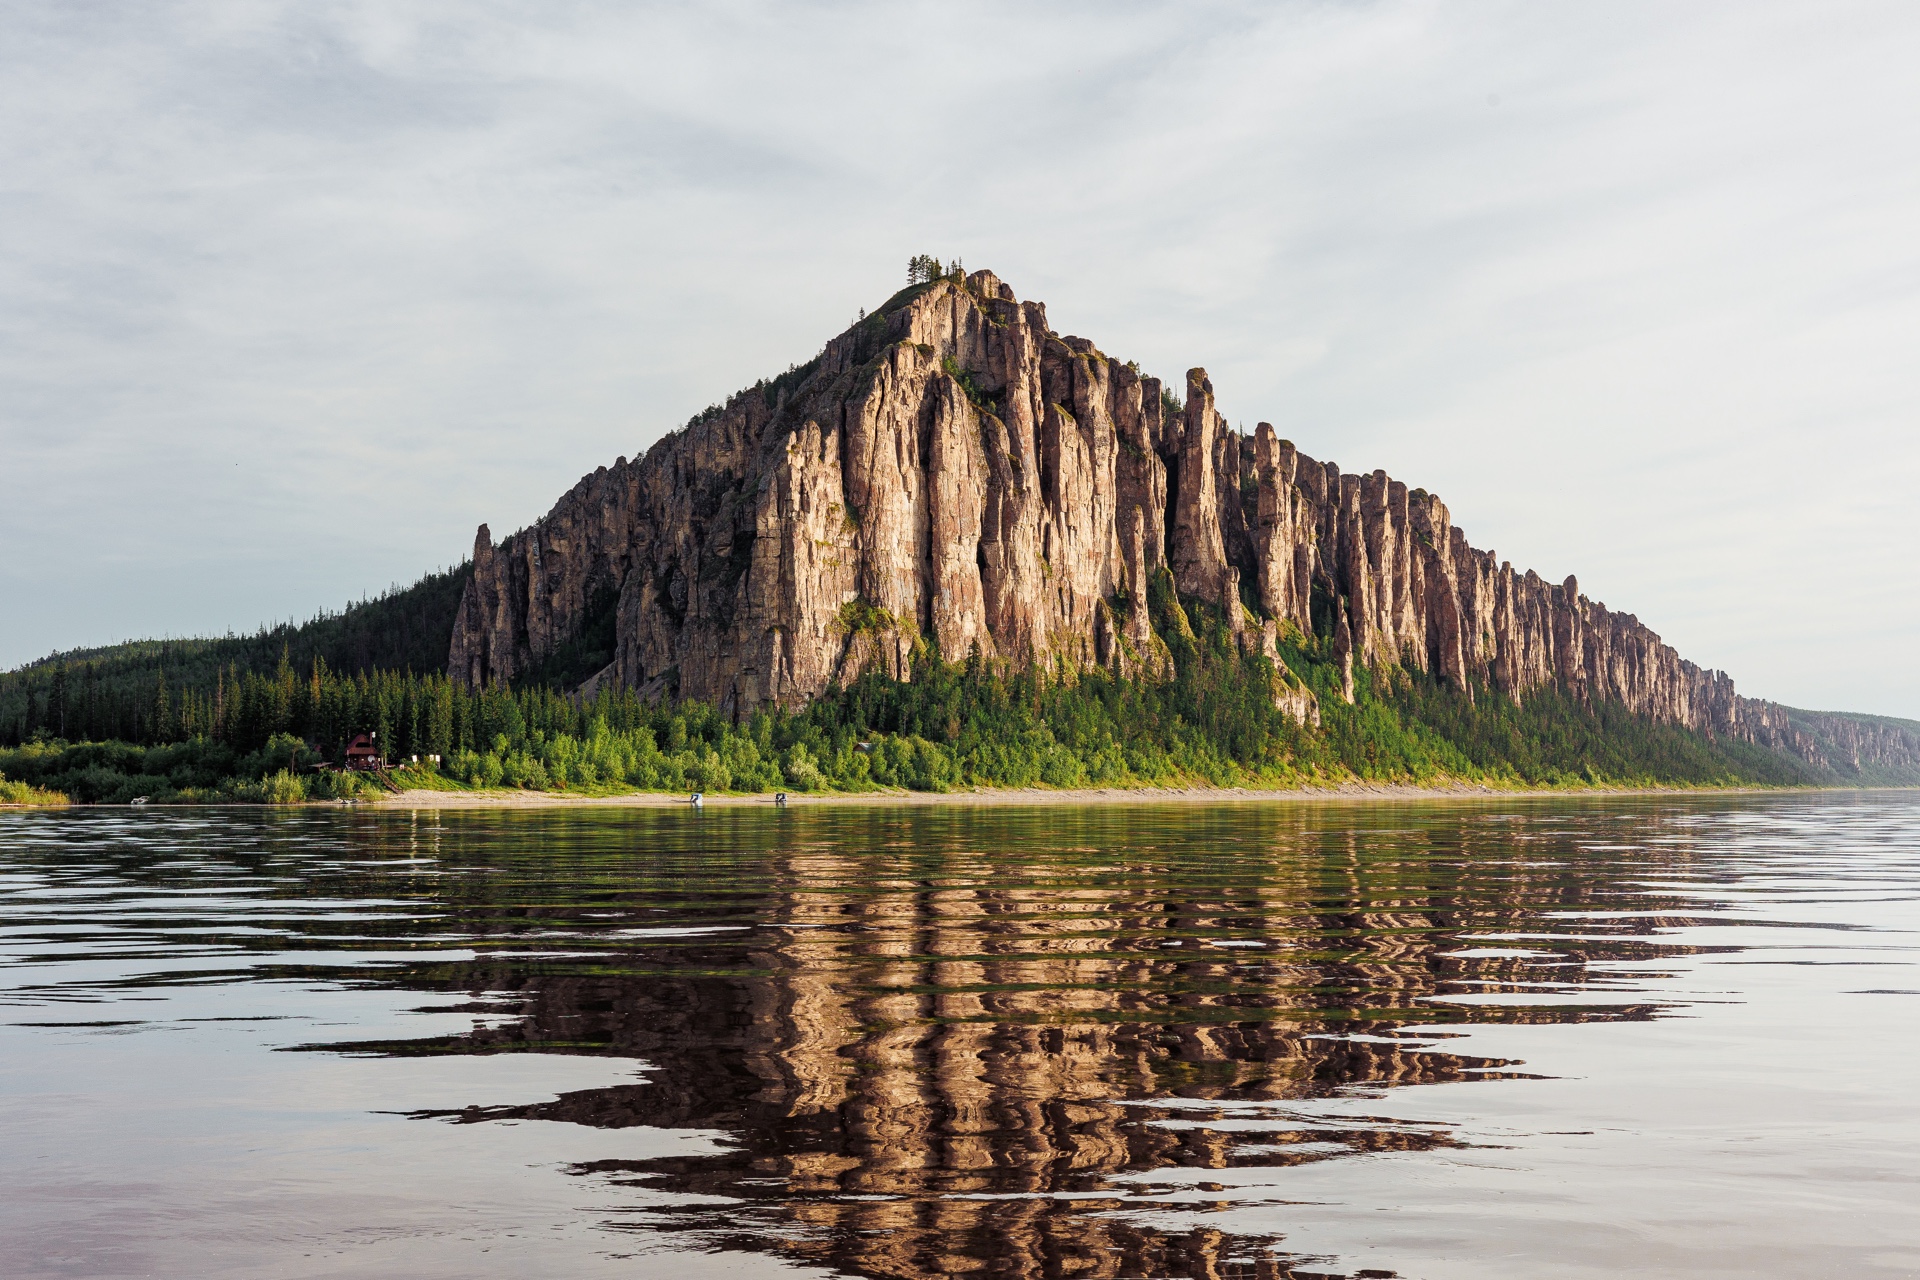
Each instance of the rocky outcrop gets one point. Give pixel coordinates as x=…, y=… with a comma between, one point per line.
x=948, y=470
x=951, y=470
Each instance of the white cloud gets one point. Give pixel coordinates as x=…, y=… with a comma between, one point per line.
x=293, y=296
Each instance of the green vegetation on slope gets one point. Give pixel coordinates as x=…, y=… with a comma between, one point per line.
x=1216, y=722
x=955, y=724
x=154, y=691
x=1830, y=731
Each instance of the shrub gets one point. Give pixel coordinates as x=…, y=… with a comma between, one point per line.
x=336, y=784
x=802, y=770
x=22, y=793
x=708, y=772
x=525, y=771
x=282, y=787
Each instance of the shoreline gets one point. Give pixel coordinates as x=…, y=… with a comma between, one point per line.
x=1035, y=796
x=997, y=797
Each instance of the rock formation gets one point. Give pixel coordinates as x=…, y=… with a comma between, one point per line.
x=951, y=469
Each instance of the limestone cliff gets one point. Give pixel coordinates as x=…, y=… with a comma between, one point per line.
x=950, y=468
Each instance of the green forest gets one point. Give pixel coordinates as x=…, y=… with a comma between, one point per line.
x=249, y=719
x=140, y=691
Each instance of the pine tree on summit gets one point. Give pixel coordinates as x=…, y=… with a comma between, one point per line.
x=925, y=268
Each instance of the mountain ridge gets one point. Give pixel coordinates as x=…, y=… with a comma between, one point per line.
x=951, y=470
x=990, y=553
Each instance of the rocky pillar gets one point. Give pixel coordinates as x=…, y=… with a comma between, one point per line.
x=1198, y=555
x=1343, y=651
x=1272, y=531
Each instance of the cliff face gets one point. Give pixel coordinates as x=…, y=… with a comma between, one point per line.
x=951, y=468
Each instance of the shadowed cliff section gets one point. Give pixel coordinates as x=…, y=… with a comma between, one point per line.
x=952, y=472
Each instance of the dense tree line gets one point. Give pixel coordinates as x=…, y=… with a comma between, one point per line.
x=258, y=735
x=146, y=691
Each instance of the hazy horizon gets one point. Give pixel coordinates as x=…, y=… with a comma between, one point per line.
x=298, y=297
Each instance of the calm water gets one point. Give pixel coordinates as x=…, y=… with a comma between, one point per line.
x=1517, y=1039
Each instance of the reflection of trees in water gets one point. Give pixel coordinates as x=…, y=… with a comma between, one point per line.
x=911, y=1032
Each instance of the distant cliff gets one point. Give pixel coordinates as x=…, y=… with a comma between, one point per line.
x=951, y=469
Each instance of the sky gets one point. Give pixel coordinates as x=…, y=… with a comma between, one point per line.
x=294, y=296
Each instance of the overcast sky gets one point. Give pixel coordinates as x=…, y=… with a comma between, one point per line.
x=293, y=296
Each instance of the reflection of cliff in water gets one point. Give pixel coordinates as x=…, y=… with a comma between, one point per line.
x=919, y=1075
x=832, y=1098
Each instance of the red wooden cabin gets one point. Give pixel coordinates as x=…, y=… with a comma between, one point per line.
x=362, y=754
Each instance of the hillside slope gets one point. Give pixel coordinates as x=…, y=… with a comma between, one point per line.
x=117, y=691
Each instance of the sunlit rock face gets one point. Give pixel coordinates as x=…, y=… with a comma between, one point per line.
x=951, y=469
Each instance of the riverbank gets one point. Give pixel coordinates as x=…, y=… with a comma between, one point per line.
x=1348, y=791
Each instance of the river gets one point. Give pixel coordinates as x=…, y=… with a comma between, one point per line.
x=1660, y=1036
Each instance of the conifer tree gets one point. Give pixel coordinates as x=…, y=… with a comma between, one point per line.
x=91, y=702
x=284, y=688
x=161, y=729
x=57, y=704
